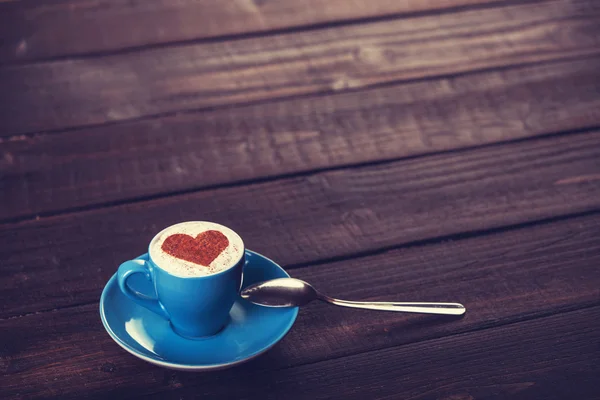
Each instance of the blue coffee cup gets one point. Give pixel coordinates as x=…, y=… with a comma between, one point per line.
x=196, y=306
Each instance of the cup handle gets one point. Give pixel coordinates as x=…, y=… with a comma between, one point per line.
x=129, y=268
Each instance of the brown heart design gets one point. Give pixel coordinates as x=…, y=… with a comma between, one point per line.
x=202, y=250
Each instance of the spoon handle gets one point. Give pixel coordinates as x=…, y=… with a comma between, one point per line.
x=426, y=308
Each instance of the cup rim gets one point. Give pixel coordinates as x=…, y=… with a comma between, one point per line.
x=233, y=265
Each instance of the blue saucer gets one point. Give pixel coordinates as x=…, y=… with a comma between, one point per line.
x=251, y=331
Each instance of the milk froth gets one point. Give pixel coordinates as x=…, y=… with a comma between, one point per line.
x=170, y=256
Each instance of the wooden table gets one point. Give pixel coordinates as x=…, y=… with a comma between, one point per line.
x=410, y=150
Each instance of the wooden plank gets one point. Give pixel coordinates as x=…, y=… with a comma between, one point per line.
x=50, y=173
x=50, y=28
x=503, y=278
x=307, y=218
x=90, y=91
x=554, y=358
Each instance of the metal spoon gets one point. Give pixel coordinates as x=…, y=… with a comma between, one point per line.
x=290, y=292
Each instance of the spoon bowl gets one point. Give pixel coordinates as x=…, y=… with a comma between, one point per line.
x=282, y=292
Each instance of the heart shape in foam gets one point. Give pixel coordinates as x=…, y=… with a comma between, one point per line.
x=202, y=250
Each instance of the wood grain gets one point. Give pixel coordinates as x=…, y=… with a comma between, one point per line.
x=503, y=278
x=50, y=28
x=65, y=94
x=50, y=173
x=66, y=260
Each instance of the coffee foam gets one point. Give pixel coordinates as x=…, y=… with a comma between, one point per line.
x=176, y=266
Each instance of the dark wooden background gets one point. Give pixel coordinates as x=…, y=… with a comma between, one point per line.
x=411, y=150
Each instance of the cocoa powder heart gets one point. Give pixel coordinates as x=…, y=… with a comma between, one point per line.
x=200, y=250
